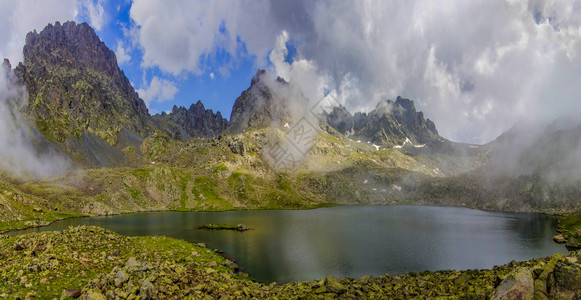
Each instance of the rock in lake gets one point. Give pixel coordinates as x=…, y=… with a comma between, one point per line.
x=559, y=239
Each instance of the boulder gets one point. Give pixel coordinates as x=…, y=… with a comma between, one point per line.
x=132, y=262
x=565, y=282
x=517, y=285
x=559, y=239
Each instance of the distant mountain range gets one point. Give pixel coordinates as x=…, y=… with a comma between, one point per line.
x=82, y=105
x=81, y=101
x=390, y=123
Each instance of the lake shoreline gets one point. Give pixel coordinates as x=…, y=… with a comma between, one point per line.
x=322, y=205
x=162, y=267
x=124, y=223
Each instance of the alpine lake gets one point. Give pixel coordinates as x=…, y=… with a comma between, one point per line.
x=349, y=241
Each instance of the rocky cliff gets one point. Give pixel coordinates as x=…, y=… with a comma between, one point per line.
x=197, y=121
x=78, y=95
x=260, y=105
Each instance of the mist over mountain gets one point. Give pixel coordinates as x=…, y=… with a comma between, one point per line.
x=552, y=151
x=25, y=152
x=265, y=102
x=84, y=106
x=319, y=124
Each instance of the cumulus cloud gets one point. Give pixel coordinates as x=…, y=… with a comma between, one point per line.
x=177, y=35
x=121, y=53
x=158, y=90
x=474, y=67
x=23, y=16
x=95, y=13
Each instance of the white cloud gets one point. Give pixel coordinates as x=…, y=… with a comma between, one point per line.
x=175, y=35
x=121, y=53
x=301, y=72
x=158, y=90
x=474, y=67
x=95, y=13
x=212, y=75
x=23, y=16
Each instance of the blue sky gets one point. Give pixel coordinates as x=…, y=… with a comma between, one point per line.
x=216, y=90
x=475, y=68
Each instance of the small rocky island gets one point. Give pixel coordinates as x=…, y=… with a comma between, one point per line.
x=239, y=227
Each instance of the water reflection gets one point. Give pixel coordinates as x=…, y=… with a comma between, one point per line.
x=352, y=241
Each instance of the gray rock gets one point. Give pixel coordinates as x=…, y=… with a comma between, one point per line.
x=146, y=290
x=566, y=281
x=132, y=263
x=120, y=278
x=517, y=285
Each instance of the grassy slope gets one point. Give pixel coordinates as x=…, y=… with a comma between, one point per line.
x=229, y=172
x=208, y=174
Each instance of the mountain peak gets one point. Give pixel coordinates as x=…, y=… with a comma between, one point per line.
x=257, y=76
x=404, y=103
x=76, y=87
x=260, y=105
x=72, y=45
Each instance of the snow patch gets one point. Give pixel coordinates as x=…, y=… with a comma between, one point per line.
x=396, y=187
x=407, y=140
x=437, y=171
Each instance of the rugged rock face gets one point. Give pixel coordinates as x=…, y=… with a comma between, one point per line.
x=75, y=86
x=196, y=121
x=390, y=123
x=259, y=105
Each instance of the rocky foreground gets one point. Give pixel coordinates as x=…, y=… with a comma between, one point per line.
x=94, y=263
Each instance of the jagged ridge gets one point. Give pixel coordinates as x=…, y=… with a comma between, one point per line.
x=390, y=123
x=197, y=121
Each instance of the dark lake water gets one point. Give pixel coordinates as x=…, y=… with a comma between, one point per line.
x=299, y=245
